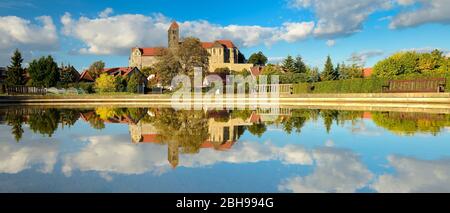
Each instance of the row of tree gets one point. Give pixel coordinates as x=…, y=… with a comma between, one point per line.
x=42, y=72
x=413, y=63
x=293, y=70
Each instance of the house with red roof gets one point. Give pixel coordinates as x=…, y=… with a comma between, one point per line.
x=124, y=72
x=367, y=72
x=222, y=53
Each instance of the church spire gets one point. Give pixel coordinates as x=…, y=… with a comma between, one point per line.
x=174, y=35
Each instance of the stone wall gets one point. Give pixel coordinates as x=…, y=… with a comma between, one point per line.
x=143, y=61
x=235, y=67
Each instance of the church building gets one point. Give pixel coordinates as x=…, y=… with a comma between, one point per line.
x=222, y=53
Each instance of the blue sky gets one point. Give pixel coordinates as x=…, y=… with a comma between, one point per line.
x=80, y=32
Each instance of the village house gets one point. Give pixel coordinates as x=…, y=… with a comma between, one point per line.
x=125, y=72
x=222, y=53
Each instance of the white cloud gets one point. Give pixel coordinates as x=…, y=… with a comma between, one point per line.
x=16, y=32
x=117, y=34
x=362, y=57
x=413, y=175
x=429, y=11
x=340, y=17
x=29, y=153
x=275, y=60
x=335, y=170
x=406, y=2
x=296, y=31
x=116, y=155
x=19, y=32
x=331, y=43
x=105, y=13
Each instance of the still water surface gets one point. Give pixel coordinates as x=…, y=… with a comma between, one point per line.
x=163, y=150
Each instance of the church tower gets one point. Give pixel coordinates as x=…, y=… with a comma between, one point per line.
x=174, y=35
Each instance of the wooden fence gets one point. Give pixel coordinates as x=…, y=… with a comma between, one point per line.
x=281, y=88
x=16, y=90
x=419, y=85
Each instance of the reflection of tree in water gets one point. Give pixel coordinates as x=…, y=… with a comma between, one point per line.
x=69, y=116
x=43, y=121
x=328, y=116
x=297, y=120
x=15, y=120
x=96, y=122
x=411, y=123
x=340, y=117
x=257, y=129
x=189, y=129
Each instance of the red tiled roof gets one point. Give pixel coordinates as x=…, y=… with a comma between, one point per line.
x=151, y=51
x=255, y=118
x=367, y=115
x=367, y=72
x=222, y=147
x=86, y=76
x=256, y=70
x=150, y=138
x=85, y=116
x=207, y=45
x=122, y=71
x=207, y=145
x=227, y=43
x=174, y=25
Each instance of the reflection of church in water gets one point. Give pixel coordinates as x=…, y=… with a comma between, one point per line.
x=221, y=136
x=222, y=133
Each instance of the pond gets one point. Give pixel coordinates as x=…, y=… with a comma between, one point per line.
x=164, y=150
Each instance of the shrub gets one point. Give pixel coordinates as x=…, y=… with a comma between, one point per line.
x=105, y=83
x=87, y=87
x=358, y=85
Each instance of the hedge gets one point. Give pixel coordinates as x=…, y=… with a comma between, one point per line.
x=359, y=85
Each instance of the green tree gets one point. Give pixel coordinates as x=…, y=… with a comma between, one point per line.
x=96, y=69
x=350, y=71
x=167, y=67
x=68, y=75
x=15, y=73
x=191, y=54
x=44, y=72
x=313, y=74
x=147, y=71
x=402, y=63
x=300, y=66
x=106, y=83
x=258, y=59
x=133, y=83
x=329, y=72
x=289, y=64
